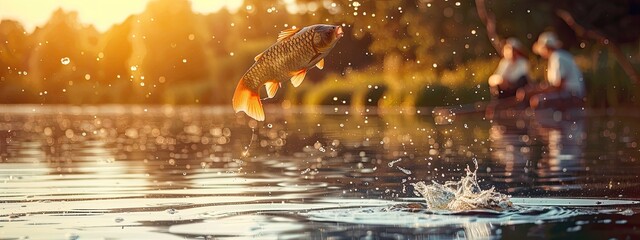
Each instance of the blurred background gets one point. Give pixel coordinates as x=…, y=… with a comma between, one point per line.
x=395, y=53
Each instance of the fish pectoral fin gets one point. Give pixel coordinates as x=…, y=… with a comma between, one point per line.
x=297, y=77
x=287, y=33
x=248, y=101
x=320, y=64
x=258, y=56
x=272, y=87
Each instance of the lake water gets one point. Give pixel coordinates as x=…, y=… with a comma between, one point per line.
x=135, y=172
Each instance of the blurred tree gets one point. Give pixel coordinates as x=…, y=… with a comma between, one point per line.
x=607, y=23
x=14, y=54
x=14, y=48
x=169, y=47
x=408, y=29
x=63, y=55
x=169, y=54
x=114, y=52
x=413, y=41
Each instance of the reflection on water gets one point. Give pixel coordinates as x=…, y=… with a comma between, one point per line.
x=165, y=172
x=541, y=149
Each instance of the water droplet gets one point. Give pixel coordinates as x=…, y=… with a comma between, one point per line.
x=119, y=219
x=394, y=162
x=404, y=170
x=65, y=60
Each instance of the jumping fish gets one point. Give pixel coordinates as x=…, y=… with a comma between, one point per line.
x=294, y=53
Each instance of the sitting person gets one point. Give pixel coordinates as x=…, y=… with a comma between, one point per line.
x=511, y=75
x=512, y=72
x=564, y=87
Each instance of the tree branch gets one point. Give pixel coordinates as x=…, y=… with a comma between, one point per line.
x=489, y=21
x=582, y=31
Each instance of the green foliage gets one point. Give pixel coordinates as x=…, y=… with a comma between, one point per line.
x=395, y=53
x=414, y=89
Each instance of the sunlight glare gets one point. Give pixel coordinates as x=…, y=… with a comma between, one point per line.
x=101, y=13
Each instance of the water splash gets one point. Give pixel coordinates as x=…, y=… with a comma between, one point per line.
x=462, y=195
x=246, y=151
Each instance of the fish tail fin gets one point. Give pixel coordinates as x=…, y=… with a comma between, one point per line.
x=248, y=101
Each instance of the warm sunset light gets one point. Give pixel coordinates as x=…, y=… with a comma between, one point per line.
x=101, y=13
x=319, y=119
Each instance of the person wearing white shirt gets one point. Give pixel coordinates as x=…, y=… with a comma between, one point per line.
x=565, y=84
x=512, y=72
x=511, y=76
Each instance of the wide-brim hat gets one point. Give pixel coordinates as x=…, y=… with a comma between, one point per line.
x=546, y=39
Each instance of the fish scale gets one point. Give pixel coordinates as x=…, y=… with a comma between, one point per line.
x=295, y=52
x=263, y=71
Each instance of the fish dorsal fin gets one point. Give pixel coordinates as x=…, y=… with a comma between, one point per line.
x=297, y=77
x=258, y=56
x=320, y=64
x=287, y=33
x=272, y=88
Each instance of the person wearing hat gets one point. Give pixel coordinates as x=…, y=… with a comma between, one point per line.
x=511, y=75
x=565, y=86
x=512, y=72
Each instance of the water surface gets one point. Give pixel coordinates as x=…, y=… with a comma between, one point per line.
x=202, y=172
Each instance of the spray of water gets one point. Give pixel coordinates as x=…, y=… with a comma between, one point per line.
x=462, y=195
x=246, y=149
